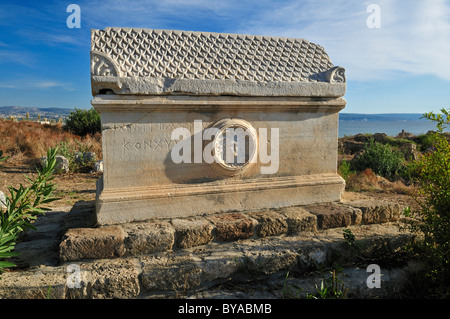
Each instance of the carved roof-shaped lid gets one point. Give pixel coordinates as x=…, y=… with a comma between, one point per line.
x=143, y=61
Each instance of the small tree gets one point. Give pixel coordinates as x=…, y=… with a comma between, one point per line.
x=83, y=122
x=433, y=177
x=23, y=205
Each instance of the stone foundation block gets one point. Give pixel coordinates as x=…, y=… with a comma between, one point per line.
x=170, y=273
x=189, y=233
x=221, y=264
x=106, y=279
x=375, y=212
x=233, y=226
x=299, y=219
x=270, y=223
x=333, y=215
x=92, y=243
x=148, y=237
x=33, y=284
x=267, y=261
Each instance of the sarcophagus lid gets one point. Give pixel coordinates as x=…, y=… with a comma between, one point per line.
x=161, y=62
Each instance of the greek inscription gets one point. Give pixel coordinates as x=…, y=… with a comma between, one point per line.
x=148, y=144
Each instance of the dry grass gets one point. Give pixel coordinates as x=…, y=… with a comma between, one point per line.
x=367, y=180
x=26, y=140
x=363, y=181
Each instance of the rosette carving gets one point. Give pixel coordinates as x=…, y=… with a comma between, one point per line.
x=102, y=65
x=336, y=75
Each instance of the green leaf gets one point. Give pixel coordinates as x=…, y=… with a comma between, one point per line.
x=6, y=264
x=9, y=254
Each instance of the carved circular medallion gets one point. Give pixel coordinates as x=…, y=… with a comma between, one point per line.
x=234, y=146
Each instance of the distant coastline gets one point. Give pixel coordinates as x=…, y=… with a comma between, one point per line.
x=19, y=111
x=381, y=117
x=349, y=123
x=389, y=123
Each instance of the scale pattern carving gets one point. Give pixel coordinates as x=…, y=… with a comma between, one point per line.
x=209, y=56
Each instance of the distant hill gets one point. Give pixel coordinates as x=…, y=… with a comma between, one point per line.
x=34, y=111
x=380, y=117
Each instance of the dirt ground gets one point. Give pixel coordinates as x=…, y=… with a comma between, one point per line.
x=70, y=187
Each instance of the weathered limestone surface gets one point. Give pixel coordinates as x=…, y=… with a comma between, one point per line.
x=146, y=83
x=270, y=223
x=142, y=61
x=53, y=241
x=334, y=215
x=173, y=273
x=105, y=279
x=181, y=272
x=299, y=219
x=148, y=237
x=229, y=227
x=192, y=232
x=377, y=212
x=104, y=242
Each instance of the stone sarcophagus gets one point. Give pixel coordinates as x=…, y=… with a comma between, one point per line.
x=197, y=123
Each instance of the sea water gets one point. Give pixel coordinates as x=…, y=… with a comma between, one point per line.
x=349, y=127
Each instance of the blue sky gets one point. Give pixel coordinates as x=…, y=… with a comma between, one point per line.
x=401, y=67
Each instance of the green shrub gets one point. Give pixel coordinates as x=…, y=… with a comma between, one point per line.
x=382, y=159
x=23, y=205
x=433, y=178
x=344, y=169
x=83, y=122
x=395, y=141
x=425, y=141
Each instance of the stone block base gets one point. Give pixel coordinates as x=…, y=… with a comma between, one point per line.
x=191, y=256
x=117, y=206
x=155, y=236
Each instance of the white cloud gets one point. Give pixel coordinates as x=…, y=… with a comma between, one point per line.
x=16, y=56
x=36, y=84
x=414, y=36
x=150, y=13
x=47, y=84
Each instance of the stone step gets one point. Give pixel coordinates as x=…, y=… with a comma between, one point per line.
x=198, y=271
x=197, y=256
x=153, y=236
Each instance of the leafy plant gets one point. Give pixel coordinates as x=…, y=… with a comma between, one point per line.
x=83, y=122
x=425, y=141
x=3, y=158
x=23, y=206
x=383, y=159
x=345, y=169
x=349, y=237
x=433, y=178
x=330, y=288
